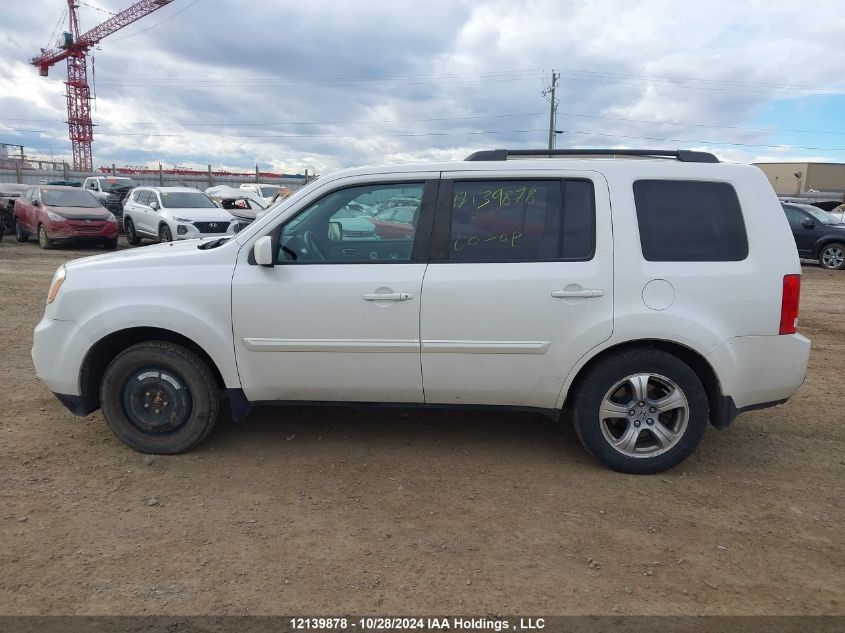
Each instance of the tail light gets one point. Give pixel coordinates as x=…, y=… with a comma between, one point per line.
x=789, y=304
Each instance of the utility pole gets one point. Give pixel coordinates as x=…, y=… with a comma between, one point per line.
x=552, y=108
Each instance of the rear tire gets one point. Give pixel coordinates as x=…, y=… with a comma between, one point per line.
x=164, y=234
x=159, y=398
x=44, y=240
x=20, y=234
x=131, y=233
x=641, y=411
x=832, y=256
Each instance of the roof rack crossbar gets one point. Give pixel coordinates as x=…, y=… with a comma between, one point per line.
x=683, y=155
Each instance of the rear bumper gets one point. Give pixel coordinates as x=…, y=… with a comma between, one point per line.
x=728, y=412
x=759, y=371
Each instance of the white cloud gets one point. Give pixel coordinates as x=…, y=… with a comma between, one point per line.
x=323, y=68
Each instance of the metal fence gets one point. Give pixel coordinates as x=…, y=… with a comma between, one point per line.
x=35, y=172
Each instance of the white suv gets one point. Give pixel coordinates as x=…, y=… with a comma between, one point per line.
x=168, y=213
x=645, y=296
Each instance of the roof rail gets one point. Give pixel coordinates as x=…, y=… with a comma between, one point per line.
x=683, y=155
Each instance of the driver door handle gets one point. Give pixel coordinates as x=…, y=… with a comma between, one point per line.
x=387, y=296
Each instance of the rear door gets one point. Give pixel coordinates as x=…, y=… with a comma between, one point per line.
x=519, y=287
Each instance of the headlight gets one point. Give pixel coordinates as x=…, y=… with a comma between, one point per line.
x=55, y=217
x=58, y=280
x=176, y=219
x=111, y=218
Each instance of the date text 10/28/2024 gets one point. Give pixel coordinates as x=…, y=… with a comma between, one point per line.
x=467, y=624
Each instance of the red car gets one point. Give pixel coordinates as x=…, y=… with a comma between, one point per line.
x=395, y=223
x=63, y=213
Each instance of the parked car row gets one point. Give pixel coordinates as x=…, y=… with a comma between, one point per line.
x=93, y=212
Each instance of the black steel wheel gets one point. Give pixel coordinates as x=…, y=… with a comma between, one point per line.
x=159, y=398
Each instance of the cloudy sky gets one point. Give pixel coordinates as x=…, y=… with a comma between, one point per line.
x=330, y=84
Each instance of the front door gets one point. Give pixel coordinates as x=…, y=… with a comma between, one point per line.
x=520, y=286
x=337, y=317
x=804, y=230
x=26, y=211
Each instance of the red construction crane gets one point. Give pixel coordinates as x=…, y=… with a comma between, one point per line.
x=74, y=47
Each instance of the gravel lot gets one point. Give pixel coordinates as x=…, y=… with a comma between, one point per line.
x=330, y=510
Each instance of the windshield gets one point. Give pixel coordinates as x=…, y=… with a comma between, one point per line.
x=69, y=198
x=113, y=184
x=821, y=216
x=186, y=200
x=268, y=192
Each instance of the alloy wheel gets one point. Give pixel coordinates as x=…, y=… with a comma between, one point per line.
x=644, y=415
x=833, y=257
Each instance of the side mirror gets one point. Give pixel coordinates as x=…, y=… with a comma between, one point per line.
x=808, y=224
x=154, y=205
x=263, y=251
x=36, y=203
x=335, y=231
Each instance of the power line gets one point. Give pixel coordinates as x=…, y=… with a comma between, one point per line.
x=97, y=8
x=461, y=118
x=726, y=127
x=267, y=124
x=56, y=28
x=698, y=142
x=458, y=118
x=401, y=134
x=152, y=26
x=270, y=83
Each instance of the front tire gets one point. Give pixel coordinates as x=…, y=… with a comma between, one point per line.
x=641, y=411
x=110, y=244
x=832, y=256
x=20, y=234
x=159, y=398
x=131, y=233
x=164, y=234
x=44, y=240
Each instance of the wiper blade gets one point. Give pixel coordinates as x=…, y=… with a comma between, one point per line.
x=213, y=243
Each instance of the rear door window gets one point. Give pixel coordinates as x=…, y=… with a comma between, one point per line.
x=522, y=220
x=690, y=221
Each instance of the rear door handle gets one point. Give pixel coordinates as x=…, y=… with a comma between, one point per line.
x=388, y=296
x=577, y=294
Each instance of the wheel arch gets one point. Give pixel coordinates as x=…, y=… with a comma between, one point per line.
x=827, y=240
x=108, y=347
x=694, y=359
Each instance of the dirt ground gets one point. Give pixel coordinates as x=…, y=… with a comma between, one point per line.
x=342, y=510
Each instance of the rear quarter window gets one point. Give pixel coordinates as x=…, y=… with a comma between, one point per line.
x=690, y=221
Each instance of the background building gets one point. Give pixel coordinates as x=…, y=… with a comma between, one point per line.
x=793, y=179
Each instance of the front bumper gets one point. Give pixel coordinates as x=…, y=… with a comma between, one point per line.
x=58, y=352
x=81, y=229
